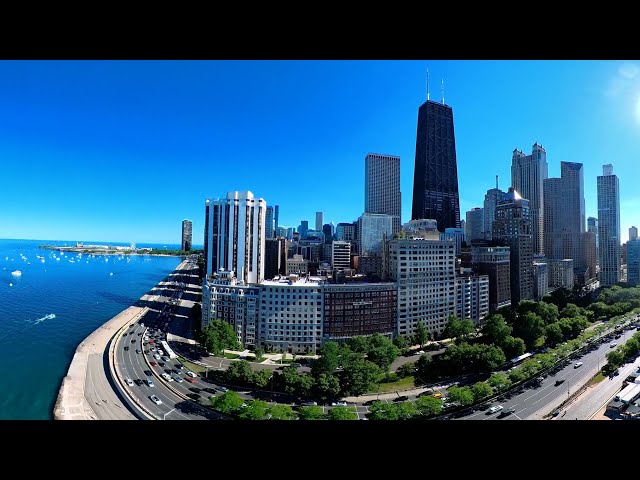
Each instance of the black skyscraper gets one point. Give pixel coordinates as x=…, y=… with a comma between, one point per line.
x=435, y=180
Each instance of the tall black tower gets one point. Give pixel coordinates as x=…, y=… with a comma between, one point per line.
x=435, y=180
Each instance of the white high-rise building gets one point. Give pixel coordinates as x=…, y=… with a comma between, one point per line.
x=609, y=226
x=382, y=186
x=633, y=233
x=373, y=228
x=527, y=175
x=235, y=236
x=472, y=297
x=426, y=276
x=340, y=254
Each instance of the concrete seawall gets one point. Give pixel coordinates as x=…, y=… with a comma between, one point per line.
x=87, y=392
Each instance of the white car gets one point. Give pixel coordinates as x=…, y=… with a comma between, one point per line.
x=149, y=383
x=129, y=382
x=156, y=356
x=495, y=408
x=155, y=400
x=191, y=374
x=167, y=377
x=577, y=364
x=178, y=379
x=339, y=404
x=613, y=344
x=160, y=351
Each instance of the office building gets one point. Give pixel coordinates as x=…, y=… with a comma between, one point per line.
x=474, y=227
x=609, y=226
x=327, y=230
x=290, y=231
x=435, y=179
x=382, y=186
x=371, y=266
x=357, y=309
x=297, y=265
x=346, y=232
x=527, y=175
x=224, y=298
x=373, y=229
x=491, y=200
x=290, y=318
x=425, y=273
x=633, y=233
x=275, y=261
x=269, y=229
x=276, y=216
x=235, y=236
x=319, y=221
x=633, y=262
x=590, y=252
x=592, y=226
x=472, y=297
x=540, y=280
x=512, y=227
x=495, y=263
x=560, y=273
x=456, y=235
x=282, y=232
x=187, y=236
x=303, y=229
x=340, y=254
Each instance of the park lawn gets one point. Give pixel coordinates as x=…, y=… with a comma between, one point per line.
x=406, y=383
x=230, y=355
x=195, y=368
x=595, y=380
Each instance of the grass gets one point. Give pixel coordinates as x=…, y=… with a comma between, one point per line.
x=191, y=366
x=595, y=380
x=405, y=383
x=230, y=355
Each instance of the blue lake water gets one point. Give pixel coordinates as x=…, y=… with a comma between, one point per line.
x=51, y=307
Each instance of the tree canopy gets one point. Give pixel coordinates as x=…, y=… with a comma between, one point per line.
x=217, y=336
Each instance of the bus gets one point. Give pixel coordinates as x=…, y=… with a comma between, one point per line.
x=167, y=349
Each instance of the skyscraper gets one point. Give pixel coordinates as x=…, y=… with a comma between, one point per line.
x=475, y=224
x=592, y=226
x=435, y=179
x=276, y=216
x=373, y=228
x=319, y=221
x=187, y=237
x=491, y=200
x=235, y=238
x=269, y=225
x=633, y=233
x=609, y=226
x=303, y=228
x=633, y=262
x=327, y=229
x=512, y=227
x=527, y=175
x=382, y=186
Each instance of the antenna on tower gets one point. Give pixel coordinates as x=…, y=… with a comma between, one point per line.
x=496, y=182
x=427, y=83
x=442, y=90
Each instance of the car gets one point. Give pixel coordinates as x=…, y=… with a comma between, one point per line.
x=145, y=338
x=494, y=409
x=153, y=364
x=151, y=342
x=149, y=383
x=160, y=351
x=577, y=365
x=166, y=377
x=129, y=382
x=138, y=382
x=338, y=404
x=176, y=372
x=165, y=358
x=133, y=340
x=613, y=344
x=126, y=349
x=555, y=413
x=309, y=404
x=560, y=381
x=509, y=411
x=147, y=352
x=139, y=334
x=156, y=356
x=177, y=379
x=191, y=374
x=148, y=373
x=437, y=395
x=190, y=380
x=419, y=352
x=138, y=350
x=161, y=364
x=132, y=325
x=155, y=399
x=401, y=398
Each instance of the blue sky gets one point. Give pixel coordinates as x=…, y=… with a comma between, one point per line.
x=123, y=151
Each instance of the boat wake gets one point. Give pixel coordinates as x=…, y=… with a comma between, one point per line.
x=42, y=319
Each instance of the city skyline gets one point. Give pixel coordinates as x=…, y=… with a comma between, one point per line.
x=99, y=138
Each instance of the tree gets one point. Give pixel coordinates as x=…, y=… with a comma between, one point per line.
x=513, y=347
x=400, y=342
x=228, y=402
x=553, y=334
x=311, y=413
x=407, y=410
x=499, y=381
x=516, y=375
x=358, y=376
x=239, y=373
x=421, y=334
x=453, y=328
x=255, y=410
x=305, y=384
x=327, y=386
x=289, y=377
x=490, y=358
x=406, y=369
x=217, y=336
x=383, y=411
x=259, y=352
x=261, y=378
x=428, y=406
x=495, y=329
x=424, y=368
x=615, y=357
x=343, y=413
x=632, y=347
x=359, y=344
x=467, y=327
x=282, y=412
x=460, y=395
x=329, y=359
x=570, y=311
x=382, y=351
x=529, y=327
x=481, y=390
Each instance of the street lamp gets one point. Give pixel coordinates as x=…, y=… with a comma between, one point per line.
x=164, y=417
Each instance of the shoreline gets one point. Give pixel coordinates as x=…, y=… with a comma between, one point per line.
x=101, y=252
x=72, y=402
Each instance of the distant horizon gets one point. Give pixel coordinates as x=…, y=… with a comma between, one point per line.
x=98, y=242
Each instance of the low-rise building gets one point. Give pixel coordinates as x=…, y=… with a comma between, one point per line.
x=560, y=273
x=297, y=265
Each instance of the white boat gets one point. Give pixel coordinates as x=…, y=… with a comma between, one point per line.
x=111, y=274
x=16, y=273
x=10, y=284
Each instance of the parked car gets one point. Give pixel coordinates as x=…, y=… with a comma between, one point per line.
x=339, y=404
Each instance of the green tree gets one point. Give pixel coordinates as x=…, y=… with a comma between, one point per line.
x=570, y=311
x=553, y=334
x=421, y=334
x=530, y=367
x=259, y=353
x=513, y=347
x=460, y=395
x=327, y=386
x=481, y=390
x=261, y=378
x=359, y=344
x=218, y=336
x=383, y=411
x=453, y=328
x=529, y=327
x=490, y=358
x=516, y=375
x=342, y=413
x=407, y=410
x=305, y=385
x=495, y=329
x=255, y=410
x=406, y=369
x=400, y=342
x=358, y=377
x=382, y=351
x=239, y=373
x=425, y=370
x=289, y=378
x=311, y=413
x=616, y=357
x=428, y=406
x=499, y=381
x=632, y=347
x=328, y=361
x=228, y=402
x=282, y=412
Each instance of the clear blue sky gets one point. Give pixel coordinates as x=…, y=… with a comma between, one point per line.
x=123, y=151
